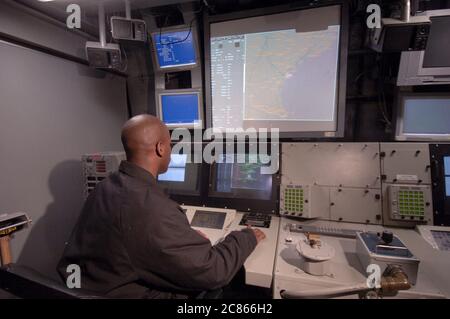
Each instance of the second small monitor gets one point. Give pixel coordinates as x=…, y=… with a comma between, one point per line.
x=182, y=177
x=242, y=180
x=180, y=108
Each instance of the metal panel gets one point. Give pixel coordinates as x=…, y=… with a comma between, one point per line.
x=405, y=163
x=410, y=202
x=355, y=205
x=306, y=201
x=331, y=164
x=407, y=223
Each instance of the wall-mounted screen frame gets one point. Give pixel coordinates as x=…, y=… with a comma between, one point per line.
x=341, y=75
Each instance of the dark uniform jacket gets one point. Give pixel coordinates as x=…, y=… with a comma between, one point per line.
x=132, y=241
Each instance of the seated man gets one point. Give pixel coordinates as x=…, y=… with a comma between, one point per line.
x=132, y=241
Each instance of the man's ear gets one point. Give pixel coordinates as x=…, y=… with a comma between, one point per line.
x=159, y=149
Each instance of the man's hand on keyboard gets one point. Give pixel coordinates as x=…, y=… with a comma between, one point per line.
x=258, y=234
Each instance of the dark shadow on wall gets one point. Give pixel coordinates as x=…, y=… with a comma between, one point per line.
x=45, y=243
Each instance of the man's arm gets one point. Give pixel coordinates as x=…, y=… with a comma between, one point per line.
x=166, y=252
x=188, y=260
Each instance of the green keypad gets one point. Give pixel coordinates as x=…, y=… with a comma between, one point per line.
x=411, y=203
x=294, y=199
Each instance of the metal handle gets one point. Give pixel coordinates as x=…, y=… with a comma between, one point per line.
x=326, y=293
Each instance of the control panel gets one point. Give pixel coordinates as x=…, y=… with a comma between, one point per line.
x=406, y=184
x=384, y=249
x=333, y=181
x=256, y=220
x=213, y=222
x=410, y=202
x=295, y=200
x=328, y=259
x=437, y=236
x=97, y=166
x=217, y=223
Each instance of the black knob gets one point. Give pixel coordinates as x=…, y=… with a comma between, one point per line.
x=387, y=237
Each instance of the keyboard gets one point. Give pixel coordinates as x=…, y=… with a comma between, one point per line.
x=256, y=220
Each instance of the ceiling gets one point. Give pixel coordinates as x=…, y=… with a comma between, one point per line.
x=89, y=18
x=57, y=9
x=90, y=6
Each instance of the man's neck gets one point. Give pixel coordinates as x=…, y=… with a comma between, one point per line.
x=145, y=164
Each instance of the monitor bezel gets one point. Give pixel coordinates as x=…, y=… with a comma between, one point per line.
x=435, y=71
x=171, y=126
x=342, y=63
x=182, y=67
x=222, y=200
x=411, y=70
x=400, y=135
x=195, y=198
x=441, y=202
x=186, y=197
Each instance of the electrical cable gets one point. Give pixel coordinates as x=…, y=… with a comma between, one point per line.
x=190, y=28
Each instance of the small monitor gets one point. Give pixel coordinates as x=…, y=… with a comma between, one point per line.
x=175, y=49
x=121, y=28
x=438, y=47
x=182, y=177
x=180, y=108
x=430, y=66
x=128, y=29
x=242, y=182
x=423, y=117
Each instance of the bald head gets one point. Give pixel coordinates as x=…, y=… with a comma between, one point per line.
x=146, y=141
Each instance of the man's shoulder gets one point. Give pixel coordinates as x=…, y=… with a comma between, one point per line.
x=124, y=190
